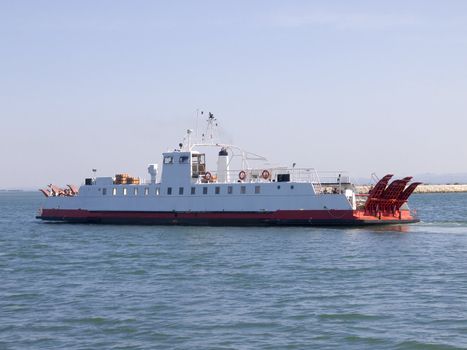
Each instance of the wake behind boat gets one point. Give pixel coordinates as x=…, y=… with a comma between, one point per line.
x=189, y=191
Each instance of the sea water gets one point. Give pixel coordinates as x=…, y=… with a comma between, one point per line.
x=66, y=286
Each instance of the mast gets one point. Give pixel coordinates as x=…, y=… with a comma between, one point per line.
x=210, y=128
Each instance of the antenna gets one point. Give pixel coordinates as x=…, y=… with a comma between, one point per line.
x=197, y=122
x=212, y=122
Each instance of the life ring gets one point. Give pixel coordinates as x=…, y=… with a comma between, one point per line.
x=265, y=174
x=208, y=176
x=242, y=175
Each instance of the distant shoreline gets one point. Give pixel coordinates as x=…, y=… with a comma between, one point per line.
x=426, y=188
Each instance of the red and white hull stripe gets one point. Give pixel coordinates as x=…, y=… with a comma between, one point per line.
x=273, y=218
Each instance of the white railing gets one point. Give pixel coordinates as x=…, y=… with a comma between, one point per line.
x=308, y=175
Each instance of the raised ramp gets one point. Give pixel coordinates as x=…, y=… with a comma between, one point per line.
x=56, y=191
x=392, y=193
x=46, y=192
x=74, y=190
x=396, y=188
x=406, y=194
x=376, y=192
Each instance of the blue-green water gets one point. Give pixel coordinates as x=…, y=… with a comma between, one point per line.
x=142, y=287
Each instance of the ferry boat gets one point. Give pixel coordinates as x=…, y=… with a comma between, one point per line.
x=191, y=191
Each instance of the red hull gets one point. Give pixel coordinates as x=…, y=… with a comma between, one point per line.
x=276, y=218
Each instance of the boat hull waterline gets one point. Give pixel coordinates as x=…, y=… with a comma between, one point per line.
x=275, y=218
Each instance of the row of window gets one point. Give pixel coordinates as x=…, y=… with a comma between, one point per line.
x=125, y=191
x=181, y=190
x=181, y=159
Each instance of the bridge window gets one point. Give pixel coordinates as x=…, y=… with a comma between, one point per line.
x=183, y=159
x=193, y=190
x=169, y=191
x=180, y=191
x=205, y=190
x=218, y=190
x=168, y=160
x=104, y=191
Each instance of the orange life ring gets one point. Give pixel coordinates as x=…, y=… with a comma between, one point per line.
x=242, y=175
x=265, y=174
x=208, y=176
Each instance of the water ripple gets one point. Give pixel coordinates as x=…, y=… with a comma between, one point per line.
x=124, y=287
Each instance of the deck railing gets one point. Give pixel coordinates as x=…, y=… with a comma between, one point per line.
x=320, y=180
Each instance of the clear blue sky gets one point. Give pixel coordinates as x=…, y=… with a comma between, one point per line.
x=358, y=85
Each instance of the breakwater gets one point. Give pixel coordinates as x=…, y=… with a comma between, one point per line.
x=426, y=188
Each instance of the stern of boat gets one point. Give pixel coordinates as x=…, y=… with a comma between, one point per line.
x=387, y=202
